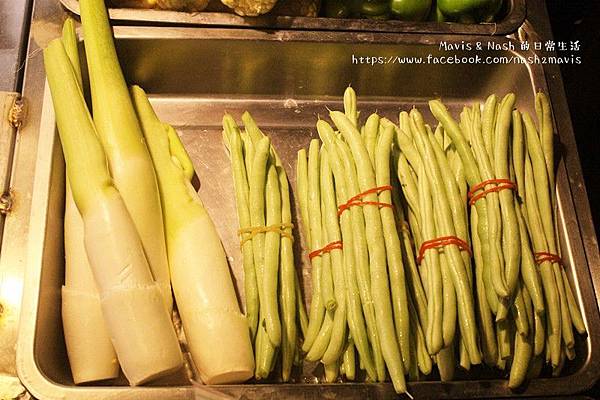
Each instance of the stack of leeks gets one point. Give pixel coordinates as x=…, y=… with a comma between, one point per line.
x=474, y=275
x=273, y=299
x=128, y=237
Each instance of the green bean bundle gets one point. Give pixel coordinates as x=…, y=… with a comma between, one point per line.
x=273, y=301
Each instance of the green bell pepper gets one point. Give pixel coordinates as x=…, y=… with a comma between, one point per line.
x=469, y=11
x=410, y=10
x=378, y=9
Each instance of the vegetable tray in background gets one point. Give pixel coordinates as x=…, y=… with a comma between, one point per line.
x=512, y=20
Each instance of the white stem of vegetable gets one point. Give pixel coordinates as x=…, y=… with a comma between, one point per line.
x=121, y=136
x=132, y=304
x=216, y=331
x=91, y=353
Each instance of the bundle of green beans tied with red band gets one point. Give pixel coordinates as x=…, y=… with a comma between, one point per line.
x=455, y=262
x=511, y=162
x=346, y=187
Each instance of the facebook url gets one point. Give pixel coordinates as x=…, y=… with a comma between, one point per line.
x=455, y=59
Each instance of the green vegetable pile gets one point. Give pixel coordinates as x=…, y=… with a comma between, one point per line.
x=456, y=262
x=463, y=11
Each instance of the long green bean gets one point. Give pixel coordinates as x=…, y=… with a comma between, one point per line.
x=332, y=371
x=423, y=359
x=510, y=229
x=301, y=310
x=518, y=155
x=544, y=114
x=488, y=125
x=350, y=108
x=520, y=363
x=544, y=111
x=573, y=307
x=270, y=274
x=370, y=136
x=413, y=279
x=445, y=363
x=551, y=294
x=256, y=202
x=434, y=329
x=349, y=360
x=519, y=313
x=540, y=335
x=464, y=360
x=529, y=273
x=504, y=337
x=288, y=280
x=327, y=291
x=409, y=186
x=317, y=309
x=248, y=149
x=322, y=340
x=449, y=302
x=488, y=335
x=331, y=221
x=392, y=245
x=302, y=194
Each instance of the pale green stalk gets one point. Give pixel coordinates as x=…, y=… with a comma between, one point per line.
x=103, y=210
x=121, y=136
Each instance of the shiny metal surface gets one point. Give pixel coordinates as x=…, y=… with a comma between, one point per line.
x=286, y=79
x=514, y=18
x=14, y=22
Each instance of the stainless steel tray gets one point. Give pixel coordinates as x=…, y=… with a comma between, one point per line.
x=193, y=77
x=514, y=17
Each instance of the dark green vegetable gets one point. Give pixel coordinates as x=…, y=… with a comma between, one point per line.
x=374, y=8
x=470, y=11
x=410, y=10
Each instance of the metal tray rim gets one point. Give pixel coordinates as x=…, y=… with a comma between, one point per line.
x=513, y=20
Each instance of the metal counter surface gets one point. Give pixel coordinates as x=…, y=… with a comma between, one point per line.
x=46, y=24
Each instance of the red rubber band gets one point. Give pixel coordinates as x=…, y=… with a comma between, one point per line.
x=331, y=246
x=442, y=242
x=501, y=185
x=543, y=256
x=357, y=200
